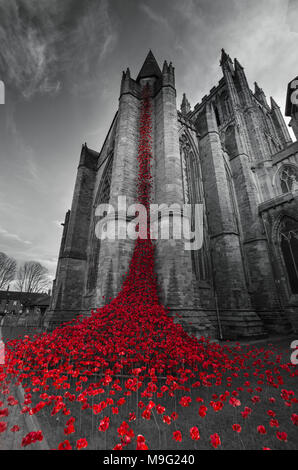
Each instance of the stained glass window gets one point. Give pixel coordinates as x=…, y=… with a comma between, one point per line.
x=102, y=197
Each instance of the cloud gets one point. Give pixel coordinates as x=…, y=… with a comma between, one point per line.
x=12, y=236
x=24, y=165
x=292, y=15
x=156, y=17
x=262, y=42
x=46, y=43
x=27, y=55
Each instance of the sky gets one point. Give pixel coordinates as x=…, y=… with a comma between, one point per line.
x=61, y=62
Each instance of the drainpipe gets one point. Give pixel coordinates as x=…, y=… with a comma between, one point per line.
x=214, y=290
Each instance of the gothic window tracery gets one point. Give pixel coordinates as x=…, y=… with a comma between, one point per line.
x=288, y=178
x=226, y=106
x=288, y=235
x=232, y=197
x=102, y=197
x=193, y=194
x=217, y=115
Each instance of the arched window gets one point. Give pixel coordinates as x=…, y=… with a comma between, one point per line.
x=288, y=177
x=229, y=140
x=102, y=197
x=225, y=106
x=289, y=246
x=217, y=115
x=232, y=197
x=193, y=194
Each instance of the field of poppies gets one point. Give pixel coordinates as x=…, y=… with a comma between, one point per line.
x=129, y=377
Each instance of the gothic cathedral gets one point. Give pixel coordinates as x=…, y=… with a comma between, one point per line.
x=232, y=153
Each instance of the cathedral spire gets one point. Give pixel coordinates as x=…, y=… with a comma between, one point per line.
x=185, y=105
x=260, y=95
x=229, y=74
x=237, y=65
x=242, y=83
x=225, y=58
x=279, y=122
x=150, y=68
x=273, y=103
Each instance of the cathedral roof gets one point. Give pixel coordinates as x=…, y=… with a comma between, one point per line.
x=150, y=67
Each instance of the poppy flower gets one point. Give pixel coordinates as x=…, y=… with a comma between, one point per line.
x=104, y=424
x=118, y=447
x=70, y=429
x=274, y=423
x=194, y=433
x=294, y=419
x=123, y=428
x=141, y=443
x=160, y=409
x=237, y=427
x=262, y=429
x=202, y=411
x=70, y=421
x=15, y=428
x=177, y=436
x=166, y=419
x=255, y=399
x=81, y=443
x=3, y=426
x=12, y=401
x=215, y=440
x=234, y=402
x=217, y=405
x=282, y=436
x=185, y=401
x=146, y=414
x=65, y=445
x=31, y=438
x=199, y=399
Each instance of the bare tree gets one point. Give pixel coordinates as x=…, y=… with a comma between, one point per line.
x=8, y=268
x=32, y=277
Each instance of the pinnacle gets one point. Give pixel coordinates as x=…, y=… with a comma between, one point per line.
x=237, y=64
x=257, y=88
x=273, y=103
x=224, y=57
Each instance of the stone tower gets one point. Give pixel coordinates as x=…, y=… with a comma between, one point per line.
x=216, y=155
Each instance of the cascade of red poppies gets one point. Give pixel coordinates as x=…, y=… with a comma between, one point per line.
x=141, y=271
x=132, y=334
